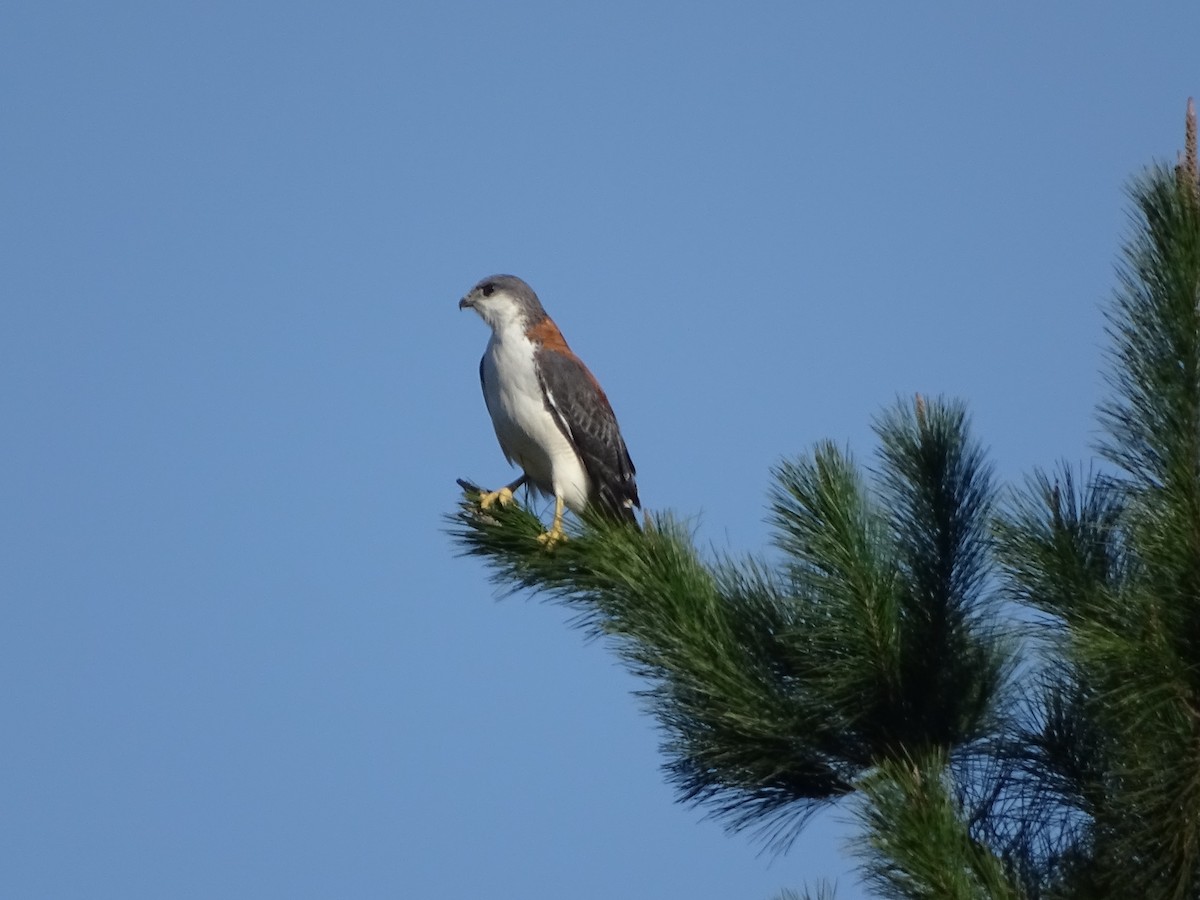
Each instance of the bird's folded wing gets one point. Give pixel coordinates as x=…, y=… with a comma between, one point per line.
x=585, y=416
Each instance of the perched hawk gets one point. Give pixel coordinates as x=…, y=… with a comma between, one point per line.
x=550, y=415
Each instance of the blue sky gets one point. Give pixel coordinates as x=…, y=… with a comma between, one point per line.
x=240, y=656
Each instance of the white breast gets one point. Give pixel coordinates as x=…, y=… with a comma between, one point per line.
x=528, y=434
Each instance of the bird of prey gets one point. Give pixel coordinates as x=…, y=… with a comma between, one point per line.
x=550, y=415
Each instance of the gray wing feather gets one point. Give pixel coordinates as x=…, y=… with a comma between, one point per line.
x=586, y=418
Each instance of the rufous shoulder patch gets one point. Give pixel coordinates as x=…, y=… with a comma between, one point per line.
x=546, y=334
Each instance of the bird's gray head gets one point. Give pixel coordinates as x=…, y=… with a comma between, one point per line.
x=504, y=301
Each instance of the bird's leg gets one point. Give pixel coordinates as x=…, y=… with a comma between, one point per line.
x=556, y=533
x=504, y=495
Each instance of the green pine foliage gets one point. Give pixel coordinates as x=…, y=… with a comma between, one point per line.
x=1003, y=687
x=917, y=843
x=779, y=690
x=1113, y=561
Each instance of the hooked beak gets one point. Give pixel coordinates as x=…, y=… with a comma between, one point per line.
x=466, y=303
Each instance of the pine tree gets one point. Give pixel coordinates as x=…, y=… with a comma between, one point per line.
x=1004, y=687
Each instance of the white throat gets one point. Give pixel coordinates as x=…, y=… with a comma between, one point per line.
x=506, y=319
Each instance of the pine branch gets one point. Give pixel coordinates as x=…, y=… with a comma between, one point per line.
x=1048, y=777
x=936, y=488
x=1153, y=421
x=777, y=692
x=1187, y=172
x=1115, y=563
x=842, y=570
x=1150, y=673
x=1062, y=546
x=745, y=736
x=917, y=842
x=1107, y=726
x=896, y=621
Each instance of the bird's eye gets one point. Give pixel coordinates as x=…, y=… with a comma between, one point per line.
x=488, y=289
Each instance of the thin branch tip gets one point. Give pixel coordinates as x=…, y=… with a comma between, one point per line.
x=469, y=487
x=1189, y=168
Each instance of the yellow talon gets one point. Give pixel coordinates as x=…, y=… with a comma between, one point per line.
x=556, y=534
x=504, y=496
x=487, y=499
x=552, y=537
